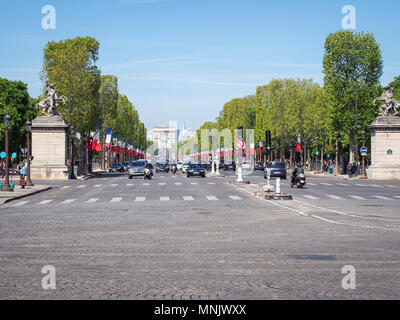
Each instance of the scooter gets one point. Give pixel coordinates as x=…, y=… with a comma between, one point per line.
x=299, y=181
x=147, y=174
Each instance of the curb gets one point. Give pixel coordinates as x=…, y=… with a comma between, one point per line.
x=91, y=176
x=26, y=195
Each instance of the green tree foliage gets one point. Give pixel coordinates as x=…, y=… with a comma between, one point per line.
x=15, y=100
x=396, y=88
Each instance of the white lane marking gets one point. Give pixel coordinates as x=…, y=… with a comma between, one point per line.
x=161, y=183
x=211, y=198
x=312, y=184
x=357, y=197
x=92, y=200
x=129, y=184
x=68, y=201
x=113, y=185
x=83, y=186
x=359, y=184
x=397, y=197
x=45, y=201
x=310, y=197
x=375, y=185
x=164, y=198
x=235, y=198
x=390, y=186
x=381, y=197
x=178, y=183
x=20, y=203
x=194, y=183
x=211, y=182
x=342, y=184
x=65, y=187
x=188, y=198
x=334, y=197
x=140, y=199
x=326, y=184
x=146, y=184
x=316, y=217
x=97, y=185
x=117, y=199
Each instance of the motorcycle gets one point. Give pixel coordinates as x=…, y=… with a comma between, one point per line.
x=174, y=169
x=299, y=180
x=147, y=174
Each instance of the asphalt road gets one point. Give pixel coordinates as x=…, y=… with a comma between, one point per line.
x=191, y=238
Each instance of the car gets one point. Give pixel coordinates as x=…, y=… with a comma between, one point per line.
x=125, y=165
x=229, y=166
x=278, y=169
x=179, y=165
x=259, y=166
x=116, y=167
x=196, y=169
x=185, y=166
x=137, y=168
x=162, y=167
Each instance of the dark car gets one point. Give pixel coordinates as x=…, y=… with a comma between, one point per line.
x=230, y=166
x=162, y=167
x=278, y=169
x=195, y=169
x=116, y=167
x=126, y=165
x=259, y=166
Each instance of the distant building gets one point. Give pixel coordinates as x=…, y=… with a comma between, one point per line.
x=186, y=134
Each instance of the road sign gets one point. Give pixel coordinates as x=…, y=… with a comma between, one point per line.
x=23, y=150
x=2, y=155
x=14, y=155
x=239, y=144
x=317, y=153
x=363, y=151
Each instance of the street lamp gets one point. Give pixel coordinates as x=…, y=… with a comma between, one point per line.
x=28, y=126
x=363, y=176
x=71, y=173
x=338, y=171
x=6, y=185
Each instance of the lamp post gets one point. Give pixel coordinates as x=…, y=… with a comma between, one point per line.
x=338, y=171
x=363, y=176
x=28, y=126
x=316, y=155
x=71, y=173
x=6, y=185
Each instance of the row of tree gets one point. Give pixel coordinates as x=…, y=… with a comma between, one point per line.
x=327, y=119
x=95, y=99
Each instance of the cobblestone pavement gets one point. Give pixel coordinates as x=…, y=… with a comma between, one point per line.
x=178, y=238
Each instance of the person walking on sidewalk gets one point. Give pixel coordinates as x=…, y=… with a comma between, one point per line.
x=22, y=172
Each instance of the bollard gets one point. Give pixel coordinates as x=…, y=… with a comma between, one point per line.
x=278, y=185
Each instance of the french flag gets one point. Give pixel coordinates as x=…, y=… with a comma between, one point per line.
x=108, y=136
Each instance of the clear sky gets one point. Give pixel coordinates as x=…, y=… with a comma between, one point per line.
x=183, y=59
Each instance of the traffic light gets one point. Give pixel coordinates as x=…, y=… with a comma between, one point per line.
x=268, y=139
x=240, y=132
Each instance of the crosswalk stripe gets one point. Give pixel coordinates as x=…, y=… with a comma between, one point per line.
x=235, y=198
x=326, y=184
x=118, y=199
x=334, y=197
x=312, y=184
x=146, y=184
x=20, y=204
x=45, y=201
x=92, y=200
x=359, y=184
x=211, y=198
x=97, y=186
x=381, y=197
x=211, y=182
x=178, y=183
x=65, y=187
x=310, y=197
x=341, y=184
x=113, y=185
x=68, y=201
x=140, y=199
x=194, y=183
x=357, y=197
x=83, y=186
x=164, y=198
x=375, y=185
x=161, y=183
x=129, y=184
x=188, y=198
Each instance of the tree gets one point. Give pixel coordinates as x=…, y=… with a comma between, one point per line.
x=15, y=100
x=396, y=88
x=352, y=66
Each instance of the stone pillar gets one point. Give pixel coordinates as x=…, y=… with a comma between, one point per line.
x=385, y=148
x=49, y=148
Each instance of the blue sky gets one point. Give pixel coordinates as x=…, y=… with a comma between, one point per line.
x=183, y=59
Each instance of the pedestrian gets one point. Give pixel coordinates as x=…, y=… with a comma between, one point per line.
x=350, y=170
x=22, y=172
x=2, y=169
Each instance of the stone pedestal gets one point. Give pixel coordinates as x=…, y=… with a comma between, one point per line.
x=49, y=148
x=385, y=149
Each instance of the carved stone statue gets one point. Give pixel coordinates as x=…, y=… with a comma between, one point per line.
x=49, y=104
x=391, y=106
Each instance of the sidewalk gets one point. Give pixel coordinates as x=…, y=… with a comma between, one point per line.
x=21, y=193
x=330, y=175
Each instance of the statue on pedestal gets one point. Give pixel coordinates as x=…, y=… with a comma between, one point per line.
x=49, y=104
x=391, y=106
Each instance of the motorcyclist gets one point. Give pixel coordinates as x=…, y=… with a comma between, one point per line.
x=294, y=175
x=149, y=165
